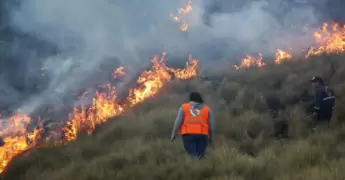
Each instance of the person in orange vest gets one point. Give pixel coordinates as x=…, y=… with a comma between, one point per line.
x=195, y=122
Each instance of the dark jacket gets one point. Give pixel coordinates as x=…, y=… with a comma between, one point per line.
x=324, y=101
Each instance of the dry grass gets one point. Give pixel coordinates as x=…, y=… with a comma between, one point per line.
x=248, y=105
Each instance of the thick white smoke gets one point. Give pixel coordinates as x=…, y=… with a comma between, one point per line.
x=89, y=31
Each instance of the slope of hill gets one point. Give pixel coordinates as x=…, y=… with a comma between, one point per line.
x=248, y=105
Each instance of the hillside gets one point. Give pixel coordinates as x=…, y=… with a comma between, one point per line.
x=248, y=104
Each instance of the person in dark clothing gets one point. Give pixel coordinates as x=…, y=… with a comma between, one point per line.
x=195, y=122
x=324, y=101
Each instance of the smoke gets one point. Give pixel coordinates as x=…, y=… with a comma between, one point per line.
x=258, y=26
x=89, y=32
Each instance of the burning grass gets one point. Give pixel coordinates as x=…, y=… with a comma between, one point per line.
x=248, y=105
x=17, y=138
x=330, y=39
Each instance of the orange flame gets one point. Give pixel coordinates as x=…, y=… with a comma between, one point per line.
x=281, y=56
x=250, y=61
x=16, y=138
x=104, y=106
x=119, y=72
x=189, y=71
x=181, y=13
x=150, y=81
x=184, y=27
x=331, y=39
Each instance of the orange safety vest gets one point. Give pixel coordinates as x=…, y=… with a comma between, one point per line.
x=194, y=121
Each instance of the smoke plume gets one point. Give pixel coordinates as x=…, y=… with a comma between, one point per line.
x=89, y=33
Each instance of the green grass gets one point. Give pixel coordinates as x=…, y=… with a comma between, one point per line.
x=136, y=145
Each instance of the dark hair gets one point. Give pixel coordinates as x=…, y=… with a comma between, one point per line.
x=196, y=97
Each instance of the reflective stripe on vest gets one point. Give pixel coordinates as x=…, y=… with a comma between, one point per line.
x=329, y=97
x=194, y=121
x=329, y=94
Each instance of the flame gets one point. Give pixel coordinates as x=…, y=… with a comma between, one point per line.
x=150, y=81
x=16, y=138
x=181, y=13
x=189, y=71
x=281, y=56
x=105, y=105
x=119, y=72
x=331, y=39
x=184, y=27
x=250, y=61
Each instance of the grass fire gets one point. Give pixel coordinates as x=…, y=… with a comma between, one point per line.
x=261, y=108
x=104, y=106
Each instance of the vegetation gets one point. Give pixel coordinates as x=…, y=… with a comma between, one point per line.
x=249, y=105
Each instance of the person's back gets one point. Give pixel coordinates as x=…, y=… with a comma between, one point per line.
x=324, y=101
x=196, y=125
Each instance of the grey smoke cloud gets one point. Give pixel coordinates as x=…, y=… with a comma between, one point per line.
x=88, y=31
x=99, y=27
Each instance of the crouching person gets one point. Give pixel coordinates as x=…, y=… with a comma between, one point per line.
x=195, y=122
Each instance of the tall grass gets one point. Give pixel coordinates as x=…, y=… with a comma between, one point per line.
x=253, y=108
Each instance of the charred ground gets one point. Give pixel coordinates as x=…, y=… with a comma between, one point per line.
x=248, y=105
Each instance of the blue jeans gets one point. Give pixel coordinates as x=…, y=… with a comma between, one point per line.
x=195, y=144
